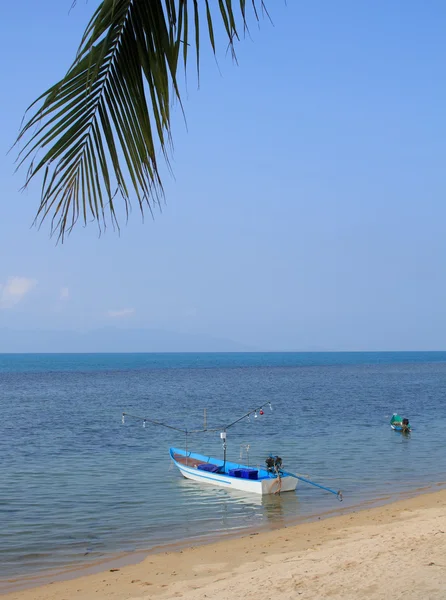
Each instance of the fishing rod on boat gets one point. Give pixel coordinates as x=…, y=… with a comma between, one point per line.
x=254, y=411
x=153, y=422
x=259, y=410
x=146, y=420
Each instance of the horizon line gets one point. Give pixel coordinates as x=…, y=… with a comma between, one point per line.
x=230, y=352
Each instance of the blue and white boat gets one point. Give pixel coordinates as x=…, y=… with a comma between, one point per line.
x=229, y=475
x=233, y=476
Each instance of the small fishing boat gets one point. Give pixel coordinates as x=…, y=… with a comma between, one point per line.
x=397, y=423
x=229, y=475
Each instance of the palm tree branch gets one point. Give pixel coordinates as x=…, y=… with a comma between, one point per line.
x=101, y=126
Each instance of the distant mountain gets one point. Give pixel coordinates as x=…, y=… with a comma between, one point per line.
x=110, y=339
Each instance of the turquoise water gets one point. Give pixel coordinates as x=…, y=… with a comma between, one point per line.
x=77, y=485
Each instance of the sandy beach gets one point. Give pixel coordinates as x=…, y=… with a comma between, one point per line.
x=396, y=550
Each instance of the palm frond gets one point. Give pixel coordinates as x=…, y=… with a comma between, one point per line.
x=103, y=125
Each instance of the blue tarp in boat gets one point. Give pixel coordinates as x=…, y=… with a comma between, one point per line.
x=209, y=467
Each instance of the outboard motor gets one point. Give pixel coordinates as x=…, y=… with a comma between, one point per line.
x=273, y=464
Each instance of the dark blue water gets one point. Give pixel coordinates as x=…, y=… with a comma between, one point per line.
x=77, y=485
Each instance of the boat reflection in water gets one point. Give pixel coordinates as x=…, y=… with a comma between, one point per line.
x=246, y=509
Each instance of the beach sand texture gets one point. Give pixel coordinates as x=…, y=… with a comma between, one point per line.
x=397, y=550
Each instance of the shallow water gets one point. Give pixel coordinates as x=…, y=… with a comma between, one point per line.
x=78, y=485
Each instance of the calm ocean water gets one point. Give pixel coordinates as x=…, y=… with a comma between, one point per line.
x=78, y=485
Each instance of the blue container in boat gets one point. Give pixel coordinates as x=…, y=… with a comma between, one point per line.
x=250, y=474
x=235, y=472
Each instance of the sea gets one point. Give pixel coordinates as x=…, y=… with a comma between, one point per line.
x=77, y=485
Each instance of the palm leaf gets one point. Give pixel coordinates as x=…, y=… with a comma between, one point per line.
x=102, y=126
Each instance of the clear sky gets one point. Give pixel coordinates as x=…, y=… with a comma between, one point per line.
x=308, y=206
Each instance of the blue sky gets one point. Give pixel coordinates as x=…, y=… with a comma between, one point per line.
x=308, y=205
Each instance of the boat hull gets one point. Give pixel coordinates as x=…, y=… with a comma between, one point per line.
x=266, y=484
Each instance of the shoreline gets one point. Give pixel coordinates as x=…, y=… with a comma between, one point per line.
x=82, y=568
x=127, y=570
